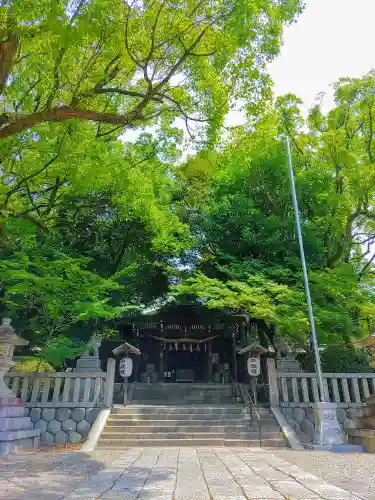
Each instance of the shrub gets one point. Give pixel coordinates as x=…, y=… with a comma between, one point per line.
x=345, y=359
x=32, y=364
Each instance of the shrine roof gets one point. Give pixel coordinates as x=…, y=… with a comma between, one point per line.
x=176, y=314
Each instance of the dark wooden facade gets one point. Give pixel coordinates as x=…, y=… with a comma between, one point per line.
x=182, y=337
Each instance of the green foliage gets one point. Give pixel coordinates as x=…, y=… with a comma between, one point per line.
x=127, y=64
x=345, y=358
x=256, y=296
x=60, y=348
x=32, y=364
x=246, y=256
x=49, y=291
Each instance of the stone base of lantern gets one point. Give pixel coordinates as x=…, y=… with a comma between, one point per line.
x=16, y=430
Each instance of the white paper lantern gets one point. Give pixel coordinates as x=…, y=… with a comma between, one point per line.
x=253, y=366
x=126, y=367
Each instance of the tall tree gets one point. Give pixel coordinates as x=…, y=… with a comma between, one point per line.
x=247, y=256
x=129, y=63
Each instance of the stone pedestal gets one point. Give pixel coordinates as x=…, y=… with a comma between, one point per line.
x=16, y=430
x=87, y=363
x=327, y=427
x=328, y=434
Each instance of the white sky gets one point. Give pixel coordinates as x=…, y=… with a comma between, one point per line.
x=331, y=39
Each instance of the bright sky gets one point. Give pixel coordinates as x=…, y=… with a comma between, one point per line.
x=331, y=39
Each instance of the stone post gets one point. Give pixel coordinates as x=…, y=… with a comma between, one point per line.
x=327, y=427
x=272, y=383
x=8, y=340
x=110, y=382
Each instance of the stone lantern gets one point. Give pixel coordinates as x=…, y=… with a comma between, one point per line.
x=16, y=429
x=8, y=340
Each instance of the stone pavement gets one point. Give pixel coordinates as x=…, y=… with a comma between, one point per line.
x=163, y=474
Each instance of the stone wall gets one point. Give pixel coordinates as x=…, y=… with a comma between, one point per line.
x=62, y=425
x=301, y=418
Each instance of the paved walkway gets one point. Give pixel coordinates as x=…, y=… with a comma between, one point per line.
x=163, y=474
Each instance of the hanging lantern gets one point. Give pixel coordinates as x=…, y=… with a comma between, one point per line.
x=253, y=365
x=126, y=367
x=198, y=348
x=191, y=347
x=163, y=346
x=176, y=346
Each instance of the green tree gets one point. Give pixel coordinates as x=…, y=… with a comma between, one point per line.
x=48, y=291
x=128, y=64
x=246, y=257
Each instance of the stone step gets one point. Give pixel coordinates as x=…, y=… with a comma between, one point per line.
x=181, y=410
x=273, y=443
x=181, y=386
x=362, y=437
x=188, y=429
x=175, y=400
x=12, y=411
x=15, y=423
x=127, y=443
x=181, y=418
x=13, y=435
x=176, y=423
x=368, y=411
x=366, y=422
x=177, y=416
x=179, y=435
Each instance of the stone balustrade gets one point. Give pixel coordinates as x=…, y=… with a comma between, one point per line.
x=63, y=389
x=339, y=387
x=296, y=394
x=64, y=405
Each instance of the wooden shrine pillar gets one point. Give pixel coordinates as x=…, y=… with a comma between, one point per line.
x=161, y=365
x=209, y=362
x=234, y=371
x=137, y=362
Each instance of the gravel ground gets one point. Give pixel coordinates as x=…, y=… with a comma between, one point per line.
x=24, y=475
x=353, y=472
x=187, y=474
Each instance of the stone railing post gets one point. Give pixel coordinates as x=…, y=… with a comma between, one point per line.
x=110, y=382
x=272, y=383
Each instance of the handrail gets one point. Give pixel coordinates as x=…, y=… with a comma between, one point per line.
x=234, y=383
x=248, y=401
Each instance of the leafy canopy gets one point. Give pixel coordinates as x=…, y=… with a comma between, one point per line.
x=246, y=257
x=129, y=63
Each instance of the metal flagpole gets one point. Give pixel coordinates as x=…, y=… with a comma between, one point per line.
x=305, y=276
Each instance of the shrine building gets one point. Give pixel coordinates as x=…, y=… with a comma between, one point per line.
x=182, y=343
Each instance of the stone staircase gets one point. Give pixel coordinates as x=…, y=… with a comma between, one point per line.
x=202, y=415
x=182, y=394
x=269, y=431
x=193, y=425
x=364, y=434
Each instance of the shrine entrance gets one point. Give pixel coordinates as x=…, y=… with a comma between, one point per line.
x=181, y=343
x=185, y=365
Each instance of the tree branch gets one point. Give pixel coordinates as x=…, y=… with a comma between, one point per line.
x=366, y=266
x=33, y=174
x=18, y=123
